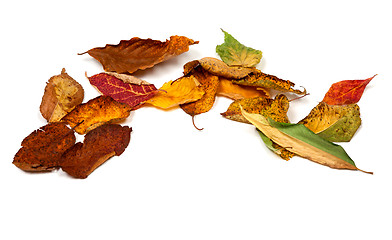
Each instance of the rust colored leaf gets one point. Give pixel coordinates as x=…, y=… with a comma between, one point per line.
x=96, y=112
x=99, y=145
x=42, y=149
x=174, y=93
x=123, y=88
x=209, y=83
x=62, y=94
x=270, y=108
x=234, y=91
x=131, y=55
x=260, y=79
x=346, y=91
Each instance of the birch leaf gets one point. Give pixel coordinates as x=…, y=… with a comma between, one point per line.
x=303, y=142
x=233, y=53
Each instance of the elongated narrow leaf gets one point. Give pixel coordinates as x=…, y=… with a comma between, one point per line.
x=303, y=142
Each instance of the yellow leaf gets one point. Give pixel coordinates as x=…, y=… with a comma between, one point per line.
x=174, y=93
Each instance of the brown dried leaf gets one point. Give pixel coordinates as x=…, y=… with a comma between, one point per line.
x=221, y=69
x=62, y=94
x=131, y=55
x=42, y=149
x=99, y=145
x=96, y=112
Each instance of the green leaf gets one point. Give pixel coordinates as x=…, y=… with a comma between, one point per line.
x=303, y=142
x=283, y=153
x=233, y=53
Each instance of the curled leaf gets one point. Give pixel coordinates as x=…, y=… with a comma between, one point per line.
x=335, y=123
x=209, y=83
x=273, y=108
x=275, y=148
x=303, y=142
x=96, y=112
x=233, y=53
x=260, y=79
x=137, y=54
x=42, y=149
x=98, y=146
x=174, y=93
x=346, y=92
x=234, y=91
x=123, y=88
x=62, y=94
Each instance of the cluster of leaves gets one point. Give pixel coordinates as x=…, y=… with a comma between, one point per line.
x=53, y=146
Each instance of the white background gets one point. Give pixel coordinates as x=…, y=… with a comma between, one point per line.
x=174, y=182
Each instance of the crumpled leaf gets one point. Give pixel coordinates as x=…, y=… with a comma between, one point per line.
x=228, y=89
x=346, y=91
x=174, y=93
x=123, y=88
x=277, y=149
x=260, y=79
x=335, y=123
x=209, y=83
x=62, y=94
x=98, y=146
x=233, y=53
x=42, y=149
x=96, y=112
x=303, y=142
x=274, y=108
x=137, y=54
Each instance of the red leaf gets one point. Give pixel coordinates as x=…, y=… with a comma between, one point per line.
x=346, y=92
x=132, y=94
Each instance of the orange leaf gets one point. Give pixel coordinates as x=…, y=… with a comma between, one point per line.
x=96, y=112
x=131, y=55
x=125, y=92
x=228, y=89
x=346, y=92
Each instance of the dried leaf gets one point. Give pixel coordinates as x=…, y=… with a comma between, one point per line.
x=233, y=53
x=62, y=94
x=99, y=145
x=260, y=79
x=137, y=54
x=123, y=88
x=96, y=112
x=209, y=83
x=274, y=108
x=303, y=142
x=346, y=92
x=42, y=149
x=174, y=93
x=221, y=69
x=228, y=89
x=336, y=123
